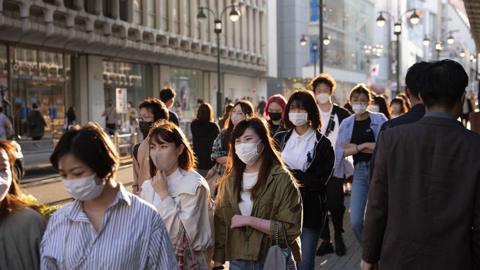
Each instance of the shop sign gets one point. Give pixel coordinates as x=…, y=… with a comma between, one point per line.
x=121, y=100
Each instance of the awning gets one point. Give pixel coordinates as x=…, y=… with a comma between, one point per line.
x=473, y=13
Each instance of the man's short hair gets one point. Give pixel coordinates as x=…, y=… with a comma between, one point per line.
x=166, y=94
x=323, y=78
x=412, y=77
x=443, y=83
x=155, y=106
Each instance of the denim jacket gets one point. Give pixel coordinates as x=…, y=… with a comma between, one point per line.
x=345, y=136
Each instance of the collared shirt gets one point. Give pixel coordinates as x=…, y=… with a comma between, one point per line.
x=439, y=114
x=132, y=236
x=298, y=150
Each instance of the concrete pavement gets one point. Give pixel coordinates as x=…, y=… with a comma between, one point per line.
x=51, y=189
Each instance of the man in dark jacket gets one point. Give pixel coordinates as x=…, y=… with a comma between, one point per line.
x=167, y=96
x=331, y=115
x=423, y=209
x=418, y=110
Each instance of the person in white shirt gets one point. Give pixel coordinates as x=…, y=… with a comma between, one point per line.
x=180, y=195
x=331, y=115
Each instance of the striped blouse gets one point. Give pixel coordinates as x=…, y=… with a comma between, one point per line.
x=133, y=236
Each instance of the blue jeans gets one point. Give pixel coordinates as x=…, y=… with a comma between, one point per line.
x=309, y=239
x=245, y=265
x=358, y=199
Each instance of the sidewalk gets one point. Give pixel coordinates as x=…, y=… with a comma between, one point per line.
x=351, y=261
x=52, y=190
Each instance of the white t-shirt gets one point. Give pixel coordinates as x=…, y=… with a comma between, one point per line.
x=248, y=182
x=325, y=118
x=298, y=148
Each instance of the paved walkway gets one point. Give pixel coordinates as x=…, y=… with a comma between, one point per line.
x=351, y=261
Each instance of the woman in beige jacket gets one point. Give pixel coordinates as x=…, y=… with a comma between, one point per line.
x=181, y=195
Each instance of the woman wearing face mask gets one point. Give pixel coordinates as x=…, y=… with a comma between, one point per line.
x=397, y=107
x=151, y=110
x=258, y=196
x=21, y=226
x=309, y=156
x=241, y=110
x=105, y=227
x=274, y=112
x=357, y=137
x=180, y=194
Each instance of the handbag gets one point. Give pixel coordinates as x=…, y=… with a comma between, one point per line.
x=278, y=257
x=212, y=178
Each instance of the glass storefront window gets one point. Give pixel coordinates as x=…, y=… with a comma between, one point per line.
x=38, y=78
x=127, y=76
x=188, y=85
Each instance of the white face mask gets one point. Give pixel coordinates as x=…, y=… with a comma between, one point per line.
x=374, y=108
x=359, y=108
x=84, y=188
x=236, y=118
x=163, y=160
x=298, y=119
x=5, y=183
x=323, y=98
x=248, y=153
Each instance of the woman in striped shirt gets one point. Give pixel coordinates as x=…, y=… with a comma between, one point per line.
x=105, y=227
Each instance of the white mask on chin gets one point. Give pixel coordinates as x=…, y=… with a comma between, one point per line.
x=359, y=108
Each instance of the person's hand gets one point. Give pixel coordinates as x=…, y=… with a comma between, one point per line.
x=239, y=221
x=368, y=266
x=136, y=190
x=159, y=184
x=366, y=147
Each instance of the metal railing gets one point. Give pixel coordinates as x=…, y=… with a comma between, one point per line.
x=124, y=143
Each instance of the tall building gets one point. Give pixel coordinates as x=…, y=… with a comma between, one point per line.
x=79, y=53
x=349, y=26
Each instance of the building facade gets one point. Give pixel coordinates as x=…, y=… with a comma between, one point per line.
x=79, y=53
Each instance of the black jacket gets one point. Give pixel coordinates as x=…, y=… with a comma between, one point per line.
x=413, y=115
x=173, y=118
x=203, y=135
x=314, y=180
x=340, y=112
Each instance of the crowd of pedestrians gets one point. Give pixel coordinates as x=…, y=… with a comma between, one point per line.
x=265, y=177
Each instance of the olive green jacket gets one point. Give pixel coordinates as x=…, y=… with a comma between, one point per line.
x=278, y=200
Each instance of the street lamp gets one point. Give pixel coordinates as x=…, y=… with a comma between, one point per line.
x=462, y=53
x=426, y=41
x=326, y=40
x=397, y=30
x=450, y=39
x=438, y=48
x=234, y=16
x=303, y=40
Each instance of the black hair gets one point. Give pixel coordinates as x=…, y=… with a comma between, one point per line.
x=156, y=106
x=323, y=78
x=382, y=105
x=92, y=146
x=305, y=100
x=166, y=94
x=412, y=77
x=443, y=83
x=361, y=89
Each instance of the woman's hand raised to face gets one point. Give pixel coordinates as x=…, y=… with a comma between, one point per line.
x=159, y=184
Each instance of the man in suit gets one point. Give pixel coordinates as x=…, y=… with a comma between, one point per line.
x=423, y=209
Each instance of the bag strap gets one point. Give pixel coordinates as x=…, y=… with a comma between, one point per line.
x=331, y=124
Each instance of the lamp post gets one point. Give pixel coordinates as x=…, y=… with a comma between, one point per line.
x=234, y=17
x=315, y=49
x=440, y=42
x=397, y=30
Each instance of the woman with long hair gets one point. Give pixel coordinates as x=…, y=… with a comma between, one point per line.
x=105, y=227
x=180, y=194
x=21, y=226
x=257, y=200
x=204, y=131
x=310, y=157
x=242, y=110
